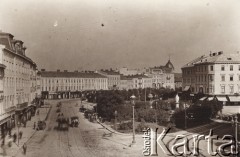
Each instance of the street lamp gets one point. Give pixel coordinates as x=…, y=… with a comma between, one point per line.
x=115, y=114
x=185, y=115
x=133, y=97
x=235, y=122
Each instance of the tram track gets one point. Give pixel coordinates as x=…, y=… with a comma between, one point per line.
x=92, y=151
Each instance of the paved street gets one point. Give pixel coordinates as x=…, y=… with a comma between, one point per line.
x=85, y=141
x=91, y=139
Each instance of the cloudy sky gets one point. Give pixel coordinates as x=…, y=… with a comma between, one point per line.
x=95, y=34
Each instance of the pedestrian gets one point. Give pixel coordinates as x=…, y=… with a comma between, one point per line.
x=9, y=142
x=20, y=134
x=3, y=141
x=34, y=125
x=14, y=137
x=24, y=148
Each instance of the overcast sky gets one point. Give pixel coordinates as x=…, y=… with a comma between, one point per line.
x=95, y=34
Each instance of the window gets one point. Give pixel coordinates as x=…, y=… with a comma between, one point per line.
x=231, y=67
x=223, y=78
x=211, y=68
x=222, y=68
x=231, y=89
x=231, y=77
x=222, y=89
x=210, y=77
x=239, y=67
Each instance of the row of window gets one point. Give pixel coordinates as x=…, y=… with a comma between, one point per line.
x=230, y=67
x=74, y=88
x=231, y=89
x=204, y=68
x=203, y=78
x=71, y=80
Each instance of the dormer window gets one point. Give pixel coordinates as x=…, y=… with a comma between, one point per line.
x=229, y=59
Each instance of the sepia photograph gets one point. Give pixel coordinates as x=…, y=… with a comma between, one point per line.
x=119, y=78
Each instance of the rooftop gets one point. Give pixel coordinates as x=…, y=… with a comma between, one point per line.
x=71, y=74
x=110, y=72
x=217, y=57
x=137, y=76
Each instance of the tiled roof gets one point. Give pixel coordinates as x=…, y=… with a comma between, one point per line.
x=70, y=74
x=219, y=57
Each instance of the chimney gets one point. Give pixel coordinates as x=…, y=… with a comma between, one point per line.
x=42, y=69
x=220, y=52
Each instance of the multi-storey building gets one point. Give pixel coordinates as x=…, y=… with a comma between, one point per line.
x=126, y=83
x=213, y=74
x=126, y=72
x=64, y=84
x=18, y=82
x=113, y=78
x=178, y=80
x=162, y=76
x=140, y=81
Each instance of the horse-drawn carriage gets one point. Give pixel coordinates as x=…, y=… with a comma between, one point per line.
x=63, y=122
x=74, y=121
x=41, y=125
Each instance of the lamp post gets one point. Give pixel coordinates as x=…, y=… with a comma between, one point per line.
x=133, y=97
x=115, y=114
x=18, y=125
x=236, y=134
x=150, y=96
x=185, y=115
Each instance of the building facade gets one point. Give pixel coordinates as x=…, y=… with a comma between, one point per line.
x=213, y=74
x=162, y=76
x=18, y=82
x=126, y=72
x=113, y=78
x=140, y=81
x=178, y=80
x=63, y=84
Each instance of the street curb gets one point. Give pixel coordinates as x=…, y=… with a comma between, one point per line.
x=112, y=131
x=48, y=113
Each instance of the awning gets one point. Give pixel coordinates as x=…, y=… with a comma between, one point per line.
x=203, y=98
x=210, y=98
x=234, y=98
x=186, y=88
x=223, y=99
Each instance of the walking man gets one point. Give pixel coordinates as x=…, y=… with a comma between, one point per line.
x=24, y=148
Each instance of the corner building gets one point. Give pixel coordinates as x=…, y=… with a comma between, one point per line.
x=17, y=83
x=213, y=74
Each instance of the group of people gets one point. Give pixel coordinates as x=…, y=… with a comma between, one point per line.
x=13, y=139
